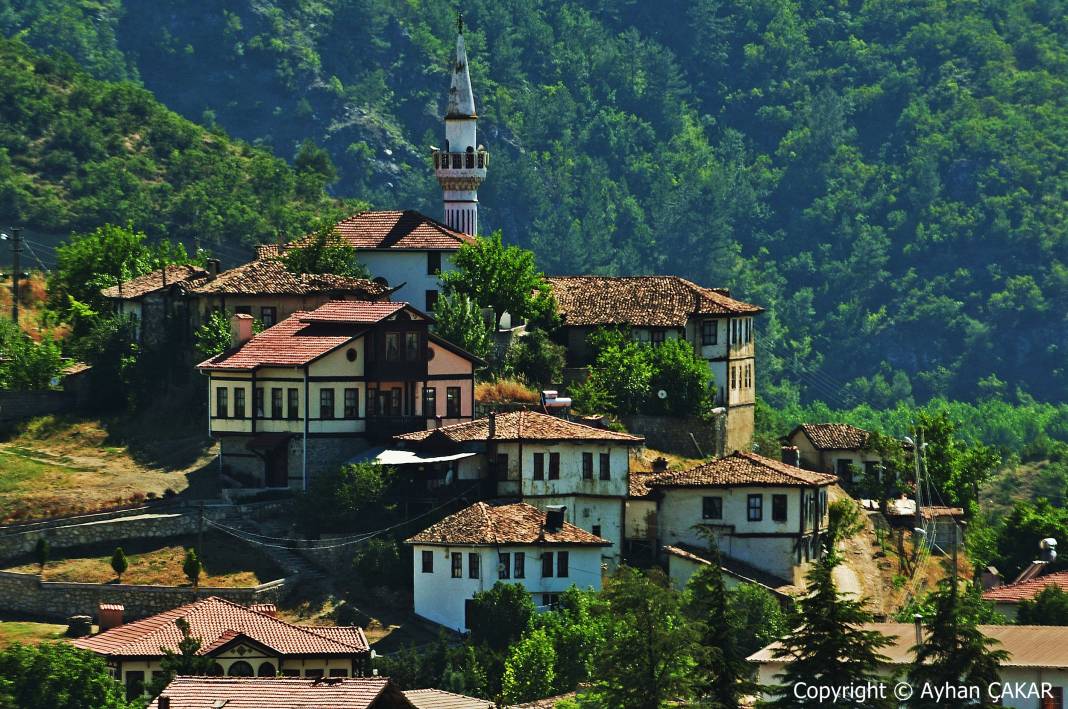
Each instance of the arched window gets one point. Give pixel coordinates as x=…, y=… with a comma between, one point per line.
x=266, y=670
x=470, y=157
x=241, y=669
x=216, y=670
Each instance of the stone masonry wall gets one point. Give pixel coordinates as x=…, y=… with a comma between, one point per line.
x=672, y=434
x=144, y=526
x=16, y=405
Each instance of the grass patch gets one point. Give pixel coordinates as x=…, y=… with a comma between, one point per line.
x=227, y=563
x=29, y=633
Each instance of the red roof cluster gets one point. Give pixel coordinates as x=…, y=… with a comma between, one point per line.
x=290, y=343
x=490, y=524
x=282, y=693
x=216, y=622
x=1026, y=590
x=356, y=312
x=522, y=426
x=741, y=468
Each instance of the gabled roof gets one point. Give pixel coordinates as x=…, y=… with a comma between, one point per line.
x=281, y=693
x=1026, y=590
x=270, y=277
x=491, y=524
x=354, y=312
x=522, y=425
x=407, y=230
x=739, y=469
x=833, y=436
x=217, y=622
x=738, y=569
x=640, y=301
x=154, y=281
x=290, y=343
x=440, y=699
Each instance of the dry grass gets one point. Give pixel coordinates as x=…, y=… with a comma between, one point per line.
x=227, y=563
x=506, y=391
x=28, y=632
x=641, y=460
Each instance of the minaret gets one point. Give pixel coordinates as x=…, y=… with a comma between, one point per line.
x=461, y=166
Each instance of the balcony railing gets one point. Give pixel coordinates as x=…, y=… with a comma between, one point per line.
x=468, y=160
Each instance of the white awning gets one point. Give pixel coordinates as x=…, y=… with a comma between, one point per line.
x=405, y=457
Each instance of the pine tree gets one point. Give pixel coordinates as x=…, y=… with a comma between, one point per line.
x=186, y=661
x=42, y=551
x=722, y=673
x=828, y=646
x=192, y=567
x=119, y=563
x=954, y=651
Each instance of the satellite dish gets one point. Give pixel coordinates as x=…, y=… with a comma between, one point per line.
x=661, y=394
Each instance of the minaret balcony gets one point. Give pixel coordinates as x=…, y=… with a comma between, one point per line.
x=470, y=164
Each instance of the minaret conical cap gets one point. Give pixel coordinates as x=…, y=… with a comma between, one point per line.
x=461, y=96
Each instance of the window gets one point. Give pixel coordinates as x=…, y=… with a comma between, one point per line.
x=539, y=466
x=844, y=469
x=294, y=403
x=433, y=262
x=546, y=564
x=457, y=565
x=657, y=337
x=268, y=316
x=266, y=669
x=339, y=672
x=503, y=567
x=243, y=310
x=326, y=403
x=352, y=403
x=778, y=508
x=551, y=600
x=872, y=470
x=605, y=464
x=240, y=669
x=596, y=530
x=756, y=508
x=502, y=465
x=430, y=401
x=1055, y=700
x=135, y=684
x=712, y=507
x=709, y=332
x=472, y=566
x=428, y=562
x=452, y=402
x=587, y=466
x=313, y=673
x=561, y=564
x=749, y=330
x=392, y=346
x=734, y=379
x=276, y=403
x=291, y=673
x=520, y=561
x=239, y=402
x=257, y=402
x=431, y=300
x=222, y=409
x=395, y=401
x=411, y=346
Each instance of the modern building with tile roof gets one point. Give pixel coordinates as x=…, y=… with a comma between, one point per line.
x=760, y=511
x=440, y=699
x=470, y=550
x=659, y=308
x=837, y=448
x=242, y=641
x=281, y=693
x=320, y=387
x=1008, y=597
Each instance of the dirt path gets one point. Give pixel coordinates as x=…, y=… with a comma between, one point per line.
x=860, y=575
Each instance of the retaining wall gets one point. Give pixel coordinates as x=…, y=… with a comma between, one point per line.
x=17, y=405
x=672, y=434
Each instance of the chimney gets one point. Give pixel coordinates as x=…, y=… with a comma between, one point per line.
x=213, y=266
x=164, y=702
x=554, y=517
x=660, y=464
x=493, y=424
x=918, y=619
x=791, y=456
x=240, y=329
x=109, y=615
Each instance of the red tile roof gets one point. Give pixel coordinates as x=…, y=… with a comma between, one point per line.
x=270, y=277
x=640, y=301
x=407, y=230
x=834, y=436
x=352, y=311
x=154, y=281
x=1026, y=590
x=440, y=699
x=491, y=524
x=290, y=343
x=216, y=621
x=523, y=425
x=739, y=469
x=281, y=693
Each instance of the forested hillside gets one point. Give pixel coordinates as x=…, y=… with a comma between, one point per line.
x=887, y=176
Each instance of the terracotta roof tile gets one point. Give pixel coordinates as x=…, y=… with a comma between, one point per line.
x=523, y=425
x=279, y=693
x=741, y=468
x=290, y=343
x=491, y=524
x=640, y=301
x=212, y=619
x=154, y=281
x=638, y=483
x=1026, y=590
x=407, y=230
x=440, y=699
x=270, y=277
x=834, y=436
x=352, y=311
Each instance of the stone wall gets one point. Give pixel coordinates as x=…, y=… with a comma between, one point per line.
x=144, y=526
x=672, y=434
x=17, y=405
x=27, y=594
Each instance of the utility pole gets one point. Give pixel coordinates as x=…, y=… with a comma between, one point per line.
x=200, y=532
x=917, y=452
x=16, y=253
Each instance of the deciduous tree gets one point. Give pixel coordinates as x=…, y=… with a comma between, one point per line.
x=57, y=676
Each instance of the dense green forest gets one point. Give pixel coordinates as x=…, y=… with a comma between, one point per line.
x=887, y=176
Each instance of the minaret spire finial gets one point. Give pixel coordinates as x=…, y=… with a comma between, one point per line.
x=460, y=22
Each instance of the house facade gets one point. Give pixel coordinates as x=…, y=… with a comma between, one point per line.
x=761, y=512
x=656, y=308
x=545, y=461
x=836, y=448
x=315, y=389
x=241, y=641
x=471, y=550
x=154, y=301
